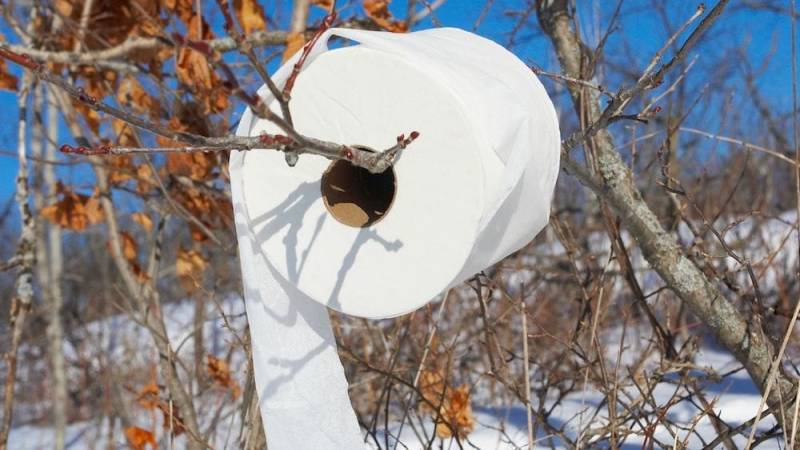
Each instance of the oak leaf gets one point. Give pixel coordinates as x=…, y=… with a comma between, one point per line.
x=140, y=274
x=197, y=233
x=110, y=22
x=91, y=116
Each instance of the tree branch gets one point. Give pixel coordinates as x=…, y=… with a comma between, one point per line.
x=295, y=142
x=614, y=183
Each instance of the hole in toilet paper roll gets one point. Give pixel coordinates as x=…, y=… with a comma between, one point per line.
x=356, y=197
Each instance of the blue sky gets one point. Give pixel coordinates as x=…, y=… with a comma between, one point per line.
x=641, y=33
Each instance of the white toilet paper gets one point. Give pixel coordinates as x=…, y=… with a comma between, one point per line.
x=473, y=188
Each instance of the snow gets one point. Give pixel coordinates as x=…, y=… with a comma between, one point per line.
x=735, y=401
x=734, y=398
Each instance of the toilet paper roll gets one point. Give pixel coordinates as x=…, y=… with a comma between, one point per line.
x=473, y=188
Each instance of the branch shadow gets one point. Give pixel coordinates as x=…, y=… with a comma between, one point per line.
x=290, y=214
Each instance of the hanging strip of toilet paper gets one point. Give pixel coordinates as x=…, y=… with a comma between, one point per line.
x=300, y=381
x=477, y=187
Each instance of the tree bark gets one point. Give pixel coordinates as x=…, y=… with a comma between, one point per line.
x=49, y=259
x=26, y=260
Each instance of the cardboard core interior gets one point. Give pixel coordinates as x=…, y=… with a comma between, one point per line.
x=356, y=197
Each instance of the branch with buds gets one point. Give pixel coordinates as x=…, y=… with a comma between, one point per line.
x=291, y=142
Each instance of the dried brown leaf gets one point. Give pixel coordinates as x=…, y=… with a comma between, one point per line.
x=455, y=416
x=139, y=438
x=143, y=220
x=294, y=43
x=8, y=82
x=195, y=72
x=378, y=11
x=250, y=15
x=147, y=397
x=120, y=168
x=182, y=8
x=189, y=266
x=131, y=93
x=130, y=250
x=74, y=211
x=172, y=418
x=219, y=371
x=197, y=166
x=145, y=179
x=324, y=4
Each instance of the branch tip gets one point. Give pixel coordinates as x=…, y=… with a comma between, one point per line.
x=327, y=22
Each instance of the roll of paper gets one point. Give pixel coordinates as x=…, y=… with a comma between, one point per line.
x=473, y=188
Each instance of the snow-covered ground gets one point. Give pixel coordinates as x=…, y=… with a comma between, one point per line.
x=735, y=399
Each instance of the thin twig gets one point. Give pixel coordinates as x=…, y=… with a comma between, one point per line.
x=375, y=162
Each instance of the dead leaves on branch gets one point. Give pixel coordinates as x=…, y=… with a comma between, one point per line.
x=143, y=220
x=126, y=136
x=250, y=15
x=73, y=211
x=378, y=11
x=149, y=398
x=189, y=267
x=110, y=22
x=199, y=169
x=324, y=4
x=129, y=251
x=120, y=168
x=450, y=408
x=8, y=82
x=131, y=94
x=139, y=438
x=294, y=43
x=195, y=72
x=152, y=397
x=197, y=166
x=184, y=9
x=213, y=212
x=220, y=373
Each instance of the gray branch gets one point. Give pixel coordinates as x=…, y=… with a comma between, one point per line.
x=613, y=183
